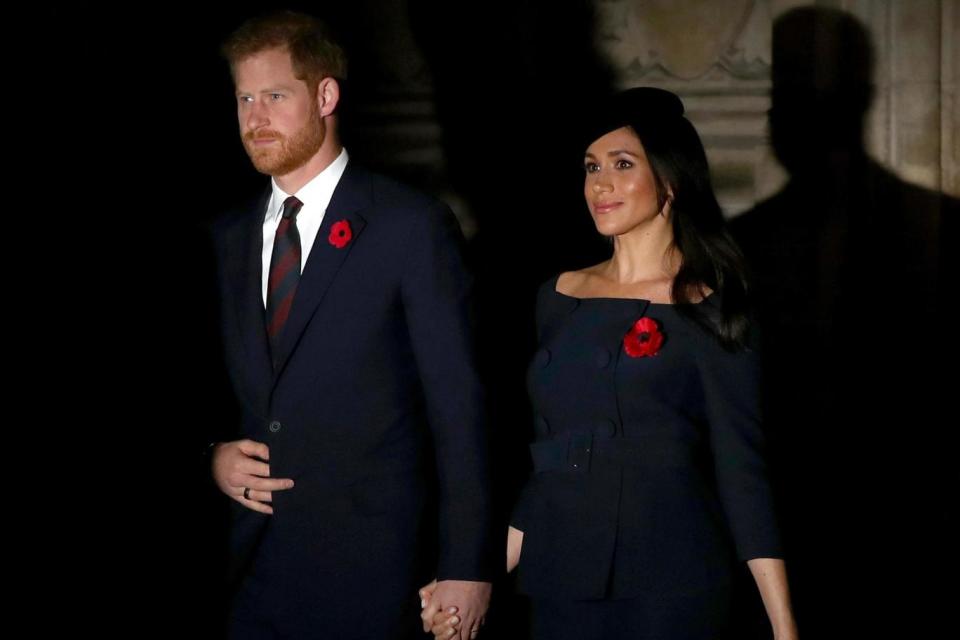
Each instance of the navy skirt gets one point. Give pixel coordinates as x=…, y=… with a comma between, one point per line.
x=704, y=615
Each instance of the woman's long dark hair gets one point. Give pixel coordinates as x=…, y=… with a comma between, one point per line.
x=710, y=256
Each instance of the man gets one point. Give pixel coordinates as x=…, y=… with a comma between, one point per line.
x=345, y=320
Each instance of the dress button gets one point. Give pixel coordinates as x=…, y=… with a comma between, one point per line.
x=602, y=357
x=543, y=357
x=607, y=428
x=275, y=426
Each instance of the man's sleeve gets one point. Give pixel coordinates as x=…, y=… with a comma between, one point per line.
x=436, y=290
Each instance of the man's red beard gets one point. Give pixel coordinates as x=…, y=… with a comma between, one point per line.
x=287, y=154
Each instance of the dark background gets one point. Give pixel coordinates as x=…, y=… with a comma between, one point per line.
x=139, y=129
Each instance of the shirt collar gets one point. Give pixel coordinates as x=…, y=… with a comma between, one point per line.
x=316, y=194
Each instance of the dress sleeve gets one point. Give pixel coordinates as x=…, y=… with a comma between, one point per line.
x=731, y=384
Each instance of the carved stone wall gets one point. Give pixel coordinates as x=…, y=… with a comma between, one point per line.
x=717, y=56
x=914, y=115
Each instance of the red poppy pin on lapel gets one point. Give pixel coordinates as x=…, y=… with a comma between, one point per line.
x=340, y=234
x=644, y=339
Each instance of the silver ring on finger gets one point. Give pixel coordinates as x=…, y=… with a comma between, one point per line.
x=246, y=493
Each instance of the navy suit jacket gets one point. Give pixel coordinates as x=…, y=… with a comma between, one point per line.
x=374, y=407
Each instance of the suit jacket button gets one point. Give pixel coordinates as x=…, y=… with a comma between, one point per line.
x=275, y=426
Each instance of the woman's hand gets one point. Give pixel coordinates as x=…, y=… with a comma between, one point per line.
x=445, y=624
x=514, y=546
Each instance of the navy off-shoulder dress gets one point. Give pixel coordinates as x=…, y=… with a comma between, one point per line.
x=649, y=481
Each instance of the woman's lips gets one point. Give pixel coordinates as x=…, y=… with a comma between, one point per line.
x=605, y=207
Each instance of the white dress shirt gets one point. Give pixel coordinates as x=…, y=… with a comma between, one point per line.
x=315, y=196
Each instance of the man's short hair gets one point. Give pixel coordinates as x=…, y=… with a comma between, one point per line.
x=314, y=52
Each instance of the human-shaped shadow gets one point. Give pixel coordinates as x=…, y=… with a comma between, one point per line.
x=851, y=285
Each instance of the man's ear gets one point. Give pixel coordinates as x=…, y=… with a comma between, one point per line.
x=328, y=96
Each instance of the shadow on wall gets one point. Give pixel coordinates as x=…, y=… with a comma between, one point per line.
x=850, y=264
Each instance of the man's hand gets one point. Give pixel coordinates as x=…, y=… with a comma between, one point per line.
x=241, y=467
x=465, y=598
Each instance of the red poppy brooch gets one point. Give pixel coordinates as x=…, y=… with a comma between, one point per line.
x=340, y=234
x=643, y=339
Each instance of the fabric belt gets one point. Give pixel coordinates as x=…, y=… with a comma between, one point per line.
x=578, y=451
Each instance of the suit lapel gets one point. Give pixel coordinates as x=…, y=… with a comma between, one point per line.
x=351, y=196
x=249, y=300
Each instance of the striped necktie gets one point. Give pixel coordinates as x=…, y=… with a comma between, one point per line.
x=284, y=272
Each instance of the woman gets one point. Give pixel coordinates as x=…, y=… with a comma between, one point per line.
x=649, y=478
